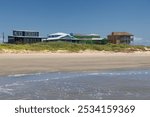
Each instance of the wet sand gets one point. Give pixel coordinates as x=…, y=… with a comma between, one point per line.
x=22, y=63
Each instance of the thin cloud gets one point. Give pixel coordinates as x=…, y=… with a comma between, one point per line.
x=141, y=41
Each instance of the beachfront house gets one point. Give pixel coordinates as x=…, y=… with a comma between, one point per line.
x=59, y=37
x=22, y=36
x=120, y=38
x=74, y=38
x=88, y=38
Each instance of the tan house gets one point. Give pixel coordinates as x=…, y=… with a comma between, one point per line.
x=120, y=38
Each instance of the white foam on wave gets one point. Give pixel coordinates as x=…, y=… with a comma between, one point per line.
x=18, y=75
x=13, y=84
x=72, y=75
x=41, y=80
x=56, y=78
x=6, y=90
x=120, y=73
x=22, y=75
x=94, y=74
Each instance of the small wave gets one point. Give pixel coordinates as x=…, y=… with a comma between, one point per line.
x=22, y=75
x=18, y=75
x=42, y=80
x=94, y=74
x=13, y=84
x=121, y=73
x=6, y=90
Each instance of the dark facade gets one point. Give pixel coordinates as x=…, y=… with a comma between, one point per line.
x=23, y=37
x=120, y=38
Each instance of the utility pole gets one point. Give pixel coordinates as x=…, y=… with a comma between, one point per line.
x=3, y=37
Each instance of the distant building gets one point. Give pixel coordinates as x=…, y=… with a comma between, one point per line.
x=120, y=38
x=89, y=38
x=24, y=37
x=86, y=36
x=59, y=37
x=75, y=38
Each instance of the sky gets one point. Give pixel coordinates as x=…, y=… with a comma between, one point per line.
x=77, y=16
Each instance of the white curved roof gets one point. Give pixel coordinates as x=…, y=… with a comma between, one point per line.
x=57, y=36
x=60, y=33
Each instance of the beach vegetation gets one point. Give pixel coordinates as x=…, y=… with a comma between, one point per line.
x=72, y=47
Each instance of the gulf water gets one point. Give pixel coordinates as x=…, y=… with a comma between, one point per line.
x=94, y=85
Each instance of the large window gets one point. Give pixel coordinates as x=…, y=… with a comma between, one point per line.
x=17, y=33
x=54, y=36
x=25, y=33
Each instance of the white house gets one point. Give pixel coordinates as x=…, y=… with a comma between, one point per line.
x=59, y=36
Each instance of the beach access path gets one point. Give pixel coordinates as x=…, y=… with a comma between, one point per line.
x=24, y=63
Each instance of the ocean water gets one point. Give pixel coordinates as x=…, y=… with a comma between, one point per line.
x=94, y=85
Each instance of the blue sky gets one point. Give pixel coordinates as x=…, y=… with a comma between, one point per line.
x=77, y=16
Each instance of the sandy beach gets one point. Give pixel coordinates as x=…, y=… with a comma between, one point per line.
x=22, y=63
x=92, y=76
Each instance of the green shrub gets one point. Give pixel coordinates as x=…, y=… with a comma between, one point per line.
x=71, y=47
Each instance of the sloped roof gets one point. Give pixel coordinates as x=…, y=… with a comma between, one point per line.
x=122, y=33
x=59, y=35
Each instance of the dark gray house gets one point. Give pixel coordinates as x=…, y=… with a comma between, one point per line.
x=24, y=37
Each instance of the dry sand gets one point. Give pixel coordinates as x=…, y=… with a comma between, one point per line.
x=11, y=63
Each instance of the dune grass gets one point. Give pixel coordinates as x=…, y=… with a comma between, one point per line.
x=71, y=47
